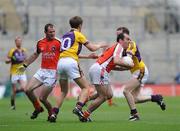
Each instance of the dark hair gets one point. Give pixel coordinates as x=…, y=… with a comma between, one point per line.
x=75, y=22
x=124, y=30
x=48, y=25
x=120, y=37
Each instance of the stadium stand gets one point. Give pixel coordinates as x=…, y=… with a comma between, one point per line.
x=160, y=50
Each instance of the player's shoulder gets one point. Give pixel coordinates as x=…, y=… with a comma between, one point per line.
x=41, y=40
x=57, y=39
x=77, y=33
x=113, y=47
x=24, y=49
x=132, y=45
x=12, y=49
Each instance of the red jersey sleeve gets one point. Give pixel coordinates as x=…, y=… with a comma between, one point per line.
x=38, y=50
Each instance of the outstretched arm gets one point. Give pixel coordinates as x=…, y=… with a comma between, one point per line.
x=8, y=60
x=120, y=68
x=27, y=62
x=31, y=59
x=90, y=56
x=95, y=46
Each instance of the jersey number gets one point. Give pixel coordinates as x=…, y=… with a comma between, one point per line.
x=66, y=43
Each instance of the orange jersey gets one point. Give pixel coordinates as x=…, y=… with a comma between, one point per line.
x=50, y=52
x=106, y=59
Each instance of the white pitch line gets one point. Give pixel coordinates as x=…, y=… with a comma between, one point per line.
x=3, y=125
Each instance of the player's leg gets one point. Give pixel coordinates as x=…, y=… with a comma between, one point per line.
x=29, y=90
x=22, y=83
x=157, y=98
x=128, y=88
x=100, y=78
x=14, y=79
x=83, y=96
x=49, y=82
x=138, y=97
x=104, y=93
x=64, y=66
x=46, y=90
x=64, y=84
x=84, y=85
x=13, y=96
x=74, y=72
x=93, y=97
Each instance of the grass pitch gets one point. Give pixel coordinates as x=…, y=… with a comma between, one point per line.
x=105, y=118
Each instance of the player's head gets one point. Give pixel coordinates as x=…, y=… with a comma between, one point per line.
x=76, y=22
x=122, y=30
x=18, y=41
x=49, y=31
x=123, y=39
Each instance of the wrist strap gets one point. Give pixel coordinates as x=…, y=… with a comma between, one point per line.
x=25, y=65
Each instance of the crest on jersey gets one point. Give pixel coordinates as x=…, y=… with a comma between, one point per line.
x=53, y=48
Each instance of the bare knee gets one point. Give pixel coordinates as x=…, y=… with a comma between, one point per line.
x=27, y=91
x=125, y=91
x=103, y=98
x=137, y=99
x=42, y=99
x=109, y=96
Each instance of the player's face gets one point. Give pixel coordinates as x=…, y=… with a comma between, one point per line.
x=18, y=42
x=80, y=27
x=126, y=41
x=50, y=34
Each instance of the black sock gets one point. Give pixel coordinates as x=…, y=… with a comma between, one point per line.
x=19, y=90
x=133, y=111
x=79, y=105
x=154, y=98
x=55, y=110
x=12, y=102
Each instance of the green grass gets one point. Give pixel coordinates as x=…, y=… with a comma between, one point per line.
x=104, y=119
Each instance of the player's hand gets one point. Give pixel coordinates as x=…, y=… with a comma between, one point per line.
x=93, y=56
x=104, y=45
x=131, y=64
x=14, y=58
x=21, y=69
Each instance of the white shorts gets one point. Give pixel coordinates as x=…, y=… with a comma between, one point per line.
x=15, y=78
x=47, y=76
x=141, y=75
x=68, y=68
x=98, y=75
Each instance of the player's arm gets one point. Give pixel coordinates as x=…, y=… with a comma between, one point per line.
x=31, y=59
x=90, y=56
x=95, y=46
x=25, y=53
x=8, y=58
x=27, y=62
x=120, y=68
x=119, y=60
